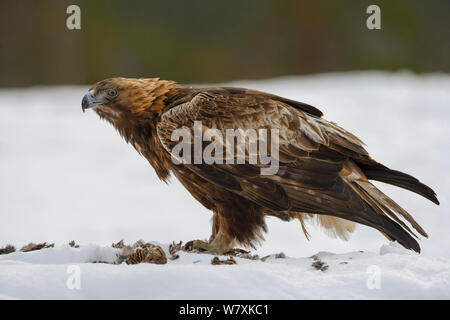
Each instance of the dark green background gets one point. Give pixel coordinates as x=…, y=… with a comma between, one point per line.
x=216, y=41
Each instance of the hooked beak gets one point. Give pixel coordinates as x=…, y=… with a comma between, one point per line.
x=89, y=101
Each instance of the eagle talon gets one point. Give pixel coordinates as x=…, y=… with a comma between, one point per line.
x=236, y=251
x=198, y=245
x=201, y=245
x=206, y=247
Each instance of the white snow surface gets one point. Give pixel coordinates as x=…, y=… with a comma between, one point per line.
x=394, y=273
x=65, y=175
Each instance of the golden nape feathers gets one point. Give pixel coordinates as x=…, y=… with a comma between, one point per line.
x=246, y=154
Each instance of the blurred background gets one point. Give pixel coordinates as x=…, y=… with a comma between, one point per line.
x=204, y=42
x=65, y=175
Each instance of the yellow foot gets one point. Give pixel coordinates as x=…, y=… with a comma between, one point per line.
x=236, y=251
x=198, y=245
x=207, y=247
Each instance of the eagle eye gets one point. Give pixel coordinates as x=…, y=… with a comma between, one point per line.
x=112, y=93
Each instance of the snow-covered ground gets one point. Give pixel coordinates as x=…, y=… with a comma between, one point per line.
x=65, y=175
x=65, y=273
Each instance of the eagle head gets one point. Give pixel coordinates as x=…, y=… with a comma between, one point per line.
x=115, y=99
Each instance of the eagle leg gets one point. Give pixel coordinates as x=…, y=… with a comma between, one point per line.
x=222, y=243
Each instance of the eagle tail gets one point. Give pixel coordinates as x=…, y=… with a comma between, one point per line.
x=379, y=172
x=386, y=213
x=393, y=231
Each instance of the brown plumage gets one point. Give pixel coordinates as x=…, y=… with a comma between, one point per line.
x=323, y=174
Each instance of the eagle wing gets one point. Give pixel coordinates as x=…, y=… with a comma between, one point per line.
x=318, y=171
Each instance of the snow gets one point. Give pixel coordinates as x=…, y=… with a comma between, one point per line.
x=66, y=175
x=44, y=275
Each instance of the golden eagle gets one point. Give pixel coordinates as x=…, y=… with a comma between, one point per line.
x=322, y=174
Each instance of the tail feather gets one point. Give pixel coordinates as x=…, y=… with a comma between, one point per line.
x=388, y=206
x=386, y=213
x=394, y=231
x=379, y=172
x=381, y=209
x=385, y=220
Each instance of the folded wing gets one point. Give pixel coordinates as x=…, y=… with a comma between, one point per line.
x=319, y=170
